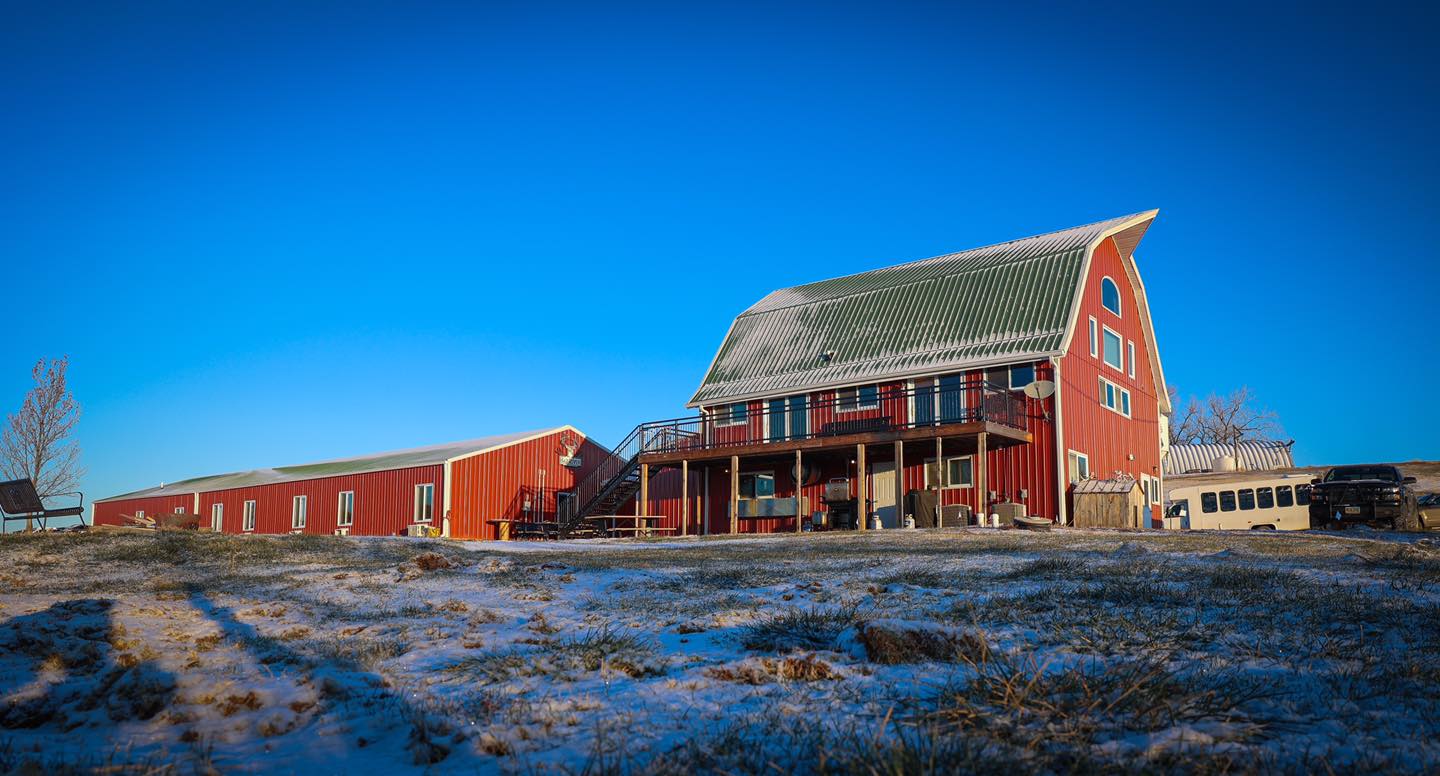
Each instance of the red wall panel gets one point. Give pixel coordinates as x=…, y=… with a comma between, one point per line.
x=384, y=502
x=1113, y=442
x=495, y=484
x=109, y=512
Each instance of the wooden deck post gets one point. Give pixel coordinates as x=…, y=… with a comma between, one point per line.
x=939, y=482
x=642, y=505
x=860, y=509
x=684, y=498
x=982, y=474
x=899, y=483
x=734, y=494
x=799, y=499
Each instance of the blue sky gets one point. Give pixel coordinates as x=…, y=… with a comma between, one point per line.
x=273, y=233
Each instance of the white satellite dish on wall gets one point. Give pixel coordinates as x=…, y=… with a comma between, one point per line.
x=1040, y=389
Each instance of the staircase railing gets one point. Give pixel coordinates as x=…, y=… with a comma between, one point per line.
x=603, y=479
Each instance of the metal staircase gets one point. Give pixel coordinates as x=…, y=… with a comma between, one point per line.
x=606, y=488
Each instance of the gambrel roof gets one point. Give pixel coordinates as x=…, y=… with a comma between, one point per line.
x=1005, y=303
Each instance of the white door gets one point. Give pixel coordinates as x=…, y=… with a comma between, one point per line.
x=217, y=517
x=882, y=489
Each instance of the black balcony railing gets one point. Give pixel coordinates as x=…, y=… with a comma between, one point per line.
x=801, y=417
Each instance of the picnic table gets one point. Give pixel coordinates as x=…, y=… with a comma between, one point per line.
x=508, y=528
x=638, y=525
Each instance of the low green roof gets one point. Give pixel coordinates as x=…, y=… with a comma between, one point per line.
x=375, y=462
x=1002, y=303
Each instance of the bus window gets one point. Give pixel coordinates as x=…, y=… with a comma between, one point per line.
x=1265, y=498
x=1247, y=499
x=1227, y=501
x=1207, y=502
x=1284, y=496
x=1302, y=495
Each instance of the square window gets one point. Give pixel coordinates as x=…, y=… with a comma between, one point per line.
x=1113, y=356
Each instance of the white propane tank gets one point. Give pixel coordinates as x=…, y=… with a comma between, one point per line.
x=995, y=520
x=875, y=523
x=910, y=522
x=1225, y=463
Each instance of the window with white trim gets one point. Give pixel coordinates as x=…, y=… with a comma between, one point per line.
x=345, y=508
x=424, y=503
x=1112, y=353
x=298, y=506
x=1094, y=338
x=1130, y=354
x=858, y=397
x=217, y=517
x=247, y=519
x=732, y=415
x=1110, y=295
x=1114, y=398
x=959, y=472
x=139, y=513
x=1079, y=466
x=179, y=510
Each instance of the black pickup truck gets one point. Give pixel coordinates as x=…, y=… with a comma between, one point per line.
x=1373, y=495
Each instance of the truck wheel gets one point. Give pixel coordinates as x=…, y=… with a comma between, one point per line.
x=1407, y=521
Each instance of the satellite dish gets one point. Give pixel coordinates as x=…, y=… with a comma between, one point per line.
x=1040, y=389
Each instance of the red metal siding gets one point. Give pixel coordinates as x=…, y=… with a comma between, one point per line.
x=495, y=484
x=109, y=512
x=384, y=502
x=1108, y=438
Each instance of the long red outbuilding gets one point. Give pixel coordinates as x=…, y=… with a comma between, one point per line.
x=461, y=489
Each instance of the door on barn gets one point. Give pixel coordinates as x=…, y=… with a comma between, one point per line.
x=882, y=489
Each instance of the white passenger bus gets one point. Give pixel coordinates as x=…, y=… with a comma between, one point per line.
x=1282, y=503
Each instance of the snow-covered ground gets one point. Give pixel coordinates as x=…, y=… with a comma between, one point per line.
x=897, y=652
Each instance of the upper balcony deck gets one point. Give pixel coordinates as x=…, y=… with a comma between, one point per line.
x=960, y=408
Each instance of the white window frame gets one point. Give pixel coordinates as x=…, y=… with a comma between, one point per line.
x=944, y=470
x=1119, y=300
x=1072, y=459
x=139, y=513
x=1119, y=349
x=179, y=510
x=854, y=391
x=247, y=515
x=725, y=416
x=299, y=511
x=419, y=516
x=1124, y=402
x=217, y=516
x=1130, y=355
x=1094, y=337
x=342, y=519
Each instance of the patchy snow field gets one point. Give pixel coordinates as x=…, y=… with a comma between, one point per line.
x=901, y=652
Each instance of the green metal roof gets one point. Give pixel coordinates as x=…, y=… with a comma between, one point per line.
x=398, y=459
x=1002, y=303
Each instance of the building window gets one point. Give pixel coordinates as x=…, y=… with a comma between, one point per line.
x=1114, y=398
x=1014, y=377
x=247, y=518
x=959, y=472
x=297, y=511
x=1151, y=486
x=863, y=397
x=732, y=415
x=345, y=512
x=1112, y=355
x=424, y=503
x=1094, y=339
x=1110, y=295
x=1130, y=354
x=1079, y=466
x=217, y=517
x=757, y=485
x=179, y=510
x=140, y=513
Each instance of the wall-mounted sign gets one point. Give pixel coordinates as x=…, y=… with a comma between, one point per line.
x=570, y=461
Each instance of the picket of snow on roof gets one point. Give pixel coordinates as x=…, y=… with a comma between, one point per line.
x=1253, y=456
x=1002, y=303
x=375, y=462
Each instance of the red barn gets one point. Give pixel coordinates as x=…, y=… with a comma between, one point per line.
x=908, y=384
x=460, y=488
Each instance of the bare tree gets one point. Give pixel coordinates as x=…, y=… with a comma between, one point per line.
x=1184, y=422
x=1230, y=420
x=37, y=443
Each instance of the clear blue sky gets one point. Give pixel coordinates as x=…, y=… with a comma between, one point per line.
x=267, y=235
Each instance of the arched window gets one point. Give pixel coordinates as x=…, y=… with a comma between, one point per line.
x=1110, y=295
